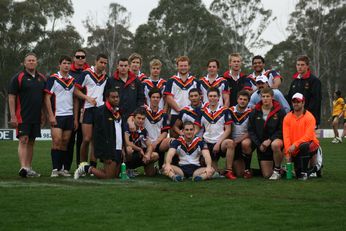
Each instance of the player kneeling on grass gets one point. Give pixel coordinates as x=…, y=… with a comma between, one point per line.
x=189, y=148
x=108, y=139
x=139, y=149
x=300, y=140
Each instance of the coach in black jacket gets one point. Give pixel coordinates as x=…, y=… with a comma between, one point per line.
x=265, y=130
x=309, y=85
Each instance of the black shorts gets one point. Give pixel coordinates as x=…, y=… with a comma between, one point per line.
x=189, y=169
x=238, y=152
x=173, y=119
x=64, y=122
x=88, y=115
x=215, y=156
x=30, y=130
x=115, y=157
x=136, y=161
x=265, y=156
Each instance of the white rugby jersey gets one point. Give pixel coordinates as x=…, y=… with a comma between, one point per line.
x=180, y=90
x=93, y=84
x=240, y=121
x=190, y=113
x=213, y=123
x=188, y=153
x=149, y=84
x=219, y=83
x=155, y=123
x=61, y=90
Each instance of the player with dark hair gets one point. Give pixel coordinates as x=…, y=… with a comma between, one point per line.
x=25, y=99
x=258, y=64
x=189, y=149
x=265, y=130
x=108, y=139
x=59, y=102
x=139, y=149
x=93, y=80
x=217, y=128
x=337, y=113
x=214, y=80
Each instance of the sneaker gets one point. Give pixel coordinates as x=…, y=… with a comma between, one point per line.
x=64, y=173
x=336, y=140
x=230, y=175
x=80, y=170
x=303, y=176
x=247, y=174
x=32, y=173
x=130, y=173
x=55, y=173
x=217, y=175
x=23, y=172
x=197, y=178
x=275, y=176
x=313, y=175
x=339, y=139
x=177, y=178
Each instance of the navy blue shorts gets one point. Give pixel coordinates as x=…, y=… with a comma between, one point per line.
x=215, y=156
x=30, y=130
x=173, y=119
x=115, y=157
x=189, y=169
x=136, y=161
x=64, y=122
x=88, y=115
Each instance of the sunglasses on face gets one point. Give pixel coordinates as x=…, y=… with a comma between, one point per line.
x=79, y=56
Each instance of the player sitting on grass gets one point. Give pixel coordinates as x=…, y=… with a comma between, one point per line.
x=189, y=148
x=139, y=149
x=108, y=139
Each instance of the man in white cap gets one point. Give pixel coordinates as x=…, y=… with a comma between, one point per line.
x=261, y=83
x=300, y=141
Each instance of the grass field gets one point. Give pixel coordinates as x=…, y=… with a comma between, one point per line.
x=160, y=204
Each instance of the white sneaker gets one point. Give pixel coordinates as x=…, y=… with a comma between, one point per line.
x=275, y=176
x=339, y=139
x=303, y=176
x=32, y=173
x=64, y=173
x=55, y=173
x=336, y=140
x=80, y=170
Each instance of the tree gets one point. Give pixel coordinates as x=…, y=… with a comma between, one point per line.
x=178, y=28
x=245, y=21
x=114, y=39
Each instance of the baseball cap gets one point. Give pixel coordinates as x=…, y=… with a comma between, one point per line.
x=298, y=96
x=262, y=78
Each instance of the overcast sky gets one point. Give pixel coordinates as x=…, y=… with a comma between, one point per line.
x=140, y=10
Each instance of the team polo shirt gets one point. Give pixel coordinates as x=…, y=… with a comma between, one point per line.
x=29, y=92
x=61, y=90
x=179, y=89
x=240, y=121
x=236, y=84
x=149, y=84
x=219, y=83
x=155, y=123
x=338, y=106
x=271, y=75
x=138, y=137
x=213, y=123
x=93, y=84
x=189, y=153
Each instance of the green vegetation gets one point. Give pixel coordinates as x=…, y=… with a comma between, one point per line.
x=160, y=204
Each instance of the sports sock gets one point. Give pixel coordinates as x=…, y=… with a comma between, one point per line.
x=247, y=160
x=55, y=158
x=161, y=159
x=277, y=169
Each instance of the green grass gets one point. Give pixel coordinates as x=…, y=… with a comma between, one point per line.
x=160, y=204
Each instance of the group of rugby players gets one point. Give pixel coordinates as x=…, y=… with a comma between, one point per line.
x=178, y=127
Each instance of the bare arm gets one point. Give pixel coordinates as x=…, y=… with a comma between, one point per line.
x=177, y=125
x=12, y=106
x=225, y=97
x=131, y=144
x=172, y=103
x=83, y=96
x=48, y=104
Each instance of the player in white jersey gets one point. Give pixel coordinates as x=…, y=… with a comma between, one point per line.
x=154, y=81
x=190, y=112
x=243, y=151
x=156, y=123
x=178, y=87
x=189, y=148
x=59, y=103
x=214, y=80
x=217, y=128
x=93, y=80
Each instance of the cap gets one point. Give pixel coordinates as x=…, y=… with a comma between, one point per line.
x=298, y=96
x=262, y=78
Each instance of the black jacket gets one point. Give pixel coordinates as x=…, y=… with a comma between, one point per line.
x=104, y=131
x=310, y=86
x=260, y=130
